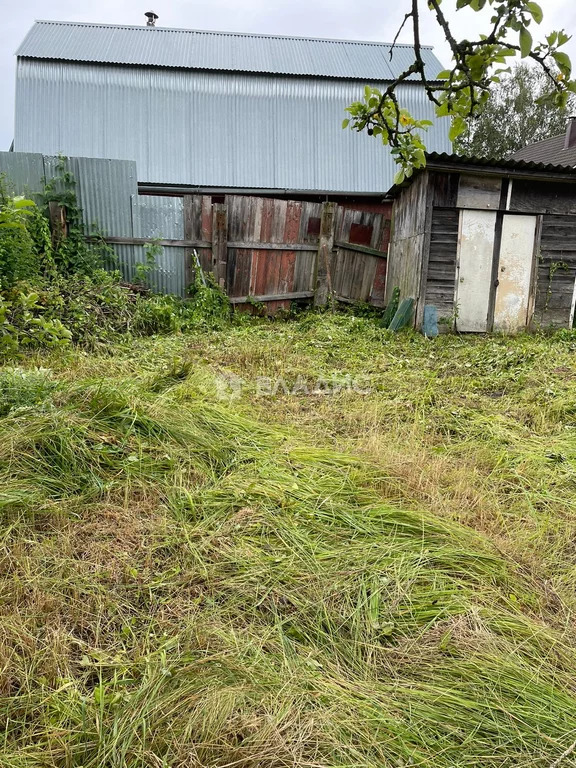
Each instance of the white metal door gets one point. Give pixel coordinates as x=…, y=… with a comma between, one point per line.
x=514, y=273
x=474, y=279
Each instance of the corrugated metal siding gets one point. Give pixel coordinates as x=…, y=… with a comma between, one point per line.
x=191, y=49
x=104, y=191
x=24, y=172
x=163, y=218
x=209, y=129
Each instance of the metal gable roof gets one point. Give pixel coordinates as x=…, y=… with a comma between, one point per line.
x=226, y=51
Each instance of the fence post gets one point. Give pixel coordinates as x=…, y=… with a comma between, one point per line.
x=323, y=286
x=189, y=265
x=220, y=243
x=58, y=223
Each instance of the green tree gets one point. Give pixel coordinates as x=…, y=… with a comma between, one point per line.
x=463, y=90
x=514, y=116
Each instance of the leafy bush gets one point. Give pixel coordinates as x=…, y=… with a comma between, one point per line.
x=18, y=256
x=73, y=253
x=54, y=290
x=95, y=310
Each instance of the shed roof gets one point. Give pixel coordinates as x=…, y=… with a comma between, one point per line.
x=548, y=151
x=225, y=51
x=443, y=161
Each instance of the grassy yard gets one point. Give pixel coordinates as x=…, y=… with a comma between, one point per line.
x=206, y=562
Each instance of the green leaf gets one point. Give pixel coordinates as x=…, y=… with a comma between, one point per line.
x=536, y=12
x=399, y=178
x=525, y=42
x=444, y=75
x=345, y=123
x=563, y=61
x=367, y=92
x=458, y=127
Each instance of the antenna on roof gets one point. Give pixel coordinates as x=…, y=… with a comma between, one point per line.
x=151, y=16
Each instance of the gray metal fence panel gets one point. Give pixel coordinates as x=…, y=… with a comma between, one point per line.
x=162, y=218
x=24, y=172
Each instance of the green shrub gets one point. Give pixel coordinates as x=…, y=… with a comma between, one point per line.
x=18, y=256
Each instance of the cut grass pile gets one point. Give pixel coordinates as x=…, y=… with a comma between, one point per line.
x=191, y=581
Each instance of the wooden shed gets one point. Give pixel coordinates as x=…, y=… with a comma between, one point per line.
x=490, y=244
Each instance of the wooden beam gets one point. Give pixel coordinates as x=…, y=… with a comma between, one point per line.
x=272, y=297
x=219, y=243
x=144, y=240
x=58, y=223
x=361, y=249
x=189, y=243
x=188, y=217
x=323, y=282
x=312, y=247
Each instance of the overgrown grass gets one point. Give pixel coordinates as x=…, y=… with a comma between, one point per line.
x=195, y=574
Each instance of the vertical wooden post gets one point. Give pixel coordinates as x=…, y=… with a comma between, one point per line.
x=220, y=243
x=58, y=223
x=323, y=283
x=189, y=266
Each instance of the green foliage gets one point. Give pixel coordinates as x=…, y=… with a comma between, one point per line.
x=25, y=325
x=513, y=116
x=143, y=269
x=463, y=90
x=211, y=307
x=53, y=292
x=19, y=259
x=72, y=252
x=95, y=310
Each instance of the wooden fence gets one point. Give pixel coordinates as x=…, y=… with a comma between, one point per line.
x=278, y=251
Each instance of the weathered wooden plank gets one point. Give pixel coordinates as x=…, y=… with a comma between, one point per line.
x=545, y=197
x=367, y=277
x=272, y=297
x=323, y=262
x=287, y=246
x=443, y=251
x=219, y=243
x=144, y=240
x=291, y=230
x=190, y=218
x=377, y=296
x=479, y=192
x=242, y=272
x=304, y=270
x=206, y=219
x=361, y=249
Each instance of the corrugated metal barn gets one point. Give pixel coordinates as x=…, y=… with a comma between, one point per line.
x=489, y=244
x=211, y=110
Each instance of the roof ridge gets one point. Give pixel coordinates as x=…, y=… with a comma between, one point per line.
x=267, y=35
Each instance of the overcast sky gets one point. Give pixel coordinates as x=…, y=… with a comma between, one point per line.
x=346, y=19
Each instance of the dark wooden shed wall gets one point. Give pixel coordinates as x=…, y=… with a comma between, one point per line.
x=435, y=253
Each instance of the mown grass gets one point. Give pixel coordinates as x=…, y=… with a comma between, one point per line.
x=197, y=576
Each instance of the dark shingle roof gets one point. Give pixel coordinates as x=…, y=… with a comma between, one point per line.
x=549, y=151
